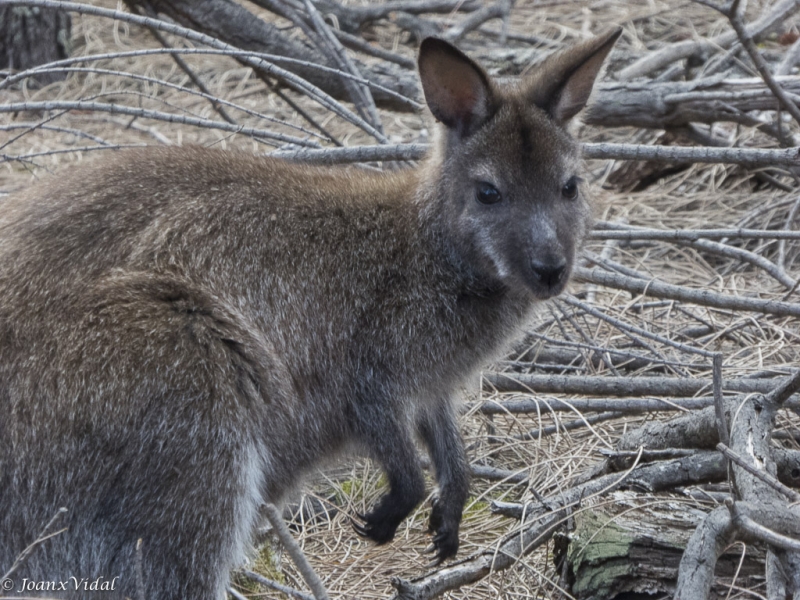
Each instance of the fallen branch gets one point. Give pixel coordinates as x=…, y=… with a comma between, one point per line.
x=278, y=587
x=287, y=77
x=677, y=51
x=613, y=386
x=753, y=157
x=677, y=104
x=544, y=518
x=770, y=480
x=660, y=289
x=284, y=535
x=605, y=230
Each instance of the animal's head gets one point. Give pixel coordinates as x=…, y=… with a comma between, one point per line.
x=514, y=198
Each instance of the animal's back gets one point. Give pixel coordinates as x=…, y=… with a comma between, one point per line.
x=127, y=286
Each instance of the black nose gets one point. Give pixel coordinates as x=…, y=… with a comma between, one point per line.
x=549, y=273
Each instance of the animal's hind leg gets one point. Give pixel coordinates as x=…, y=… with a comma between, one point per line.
x=184, y=412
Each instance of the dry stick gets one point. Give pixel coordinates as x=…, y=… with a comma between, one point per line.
x=355, y=154
x=719, y=406
x=750, y=436
x=622, y=387
x=704, y=466
x=660, y=289
x=604, y=356
x=636, y=361
x=149, y=114
x=294, y=81
x=770, y=480
x=42, y=537
x=540, y=432
x=628, y=406
x=31, y=126
x=360, y=93
x=781, y=263
x=236, y=595
x=776, y=271
x=628, y=328
x=356, y=43
x=184, y=66
x=674, y=52
x=173, y=51
x=740, y=156
x=754, y=529
x=706, y=544
x=497, y=10
x=168, y=84
x=293, y=548
x=283, y=589
x=746, y=40
x=25, y=157
x=614, y=231
x=754, y=157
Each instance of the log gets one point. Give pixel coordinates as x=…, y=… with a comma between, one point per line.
x=659, y=105
x=614, y=550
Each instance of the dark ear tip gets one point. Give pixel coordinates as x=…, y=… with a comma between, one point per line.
x=434, y=45
x=611, y=35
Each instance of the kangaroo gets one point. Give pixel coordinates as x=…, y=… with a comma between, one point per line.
x=184, y=331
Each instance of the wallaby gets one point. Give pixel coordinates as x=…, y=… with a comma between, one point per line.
x=184, y=331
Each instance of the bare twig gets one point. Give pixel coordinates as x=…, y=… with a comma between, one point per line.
x=719, y=407
x=616, y=386
x=739, y=156
x=746, y=39
x=151, y=114
x=770, y=480
x=45, y=535
x=496, y=10
x=278, y=587
x=615, y=231
x=677, y=51
x=744, y=156
x=360, y=93
x=296, y=82
x=294, y=550
x=660, y=289
x=183, y=65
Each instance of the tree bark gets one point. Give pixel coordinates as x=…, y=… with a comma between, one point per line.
x=33, y=36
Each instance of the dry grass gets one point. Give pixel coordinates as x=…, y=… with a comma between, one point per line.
x=700, y=197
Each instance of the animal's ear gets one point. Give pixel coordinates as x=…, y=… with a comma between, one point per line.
x=561, y=85
x=458, y=91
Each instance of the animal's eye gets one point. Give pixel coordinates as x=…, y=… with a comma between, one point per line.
x=486, y=193
x=570, y=189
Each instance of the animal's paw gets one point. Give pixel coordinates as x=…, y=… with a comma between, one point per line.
x=444, y=527
x=378, y=525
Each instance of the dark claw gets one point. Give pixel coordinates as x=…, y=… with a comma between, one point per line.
x=359, y=528
x=430, y=549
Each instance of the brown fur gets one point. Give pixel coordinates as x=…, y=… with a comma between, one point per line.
x=183, y=331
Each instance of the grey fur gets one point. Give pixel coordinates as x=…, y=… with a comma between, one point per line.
x=184, y=331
